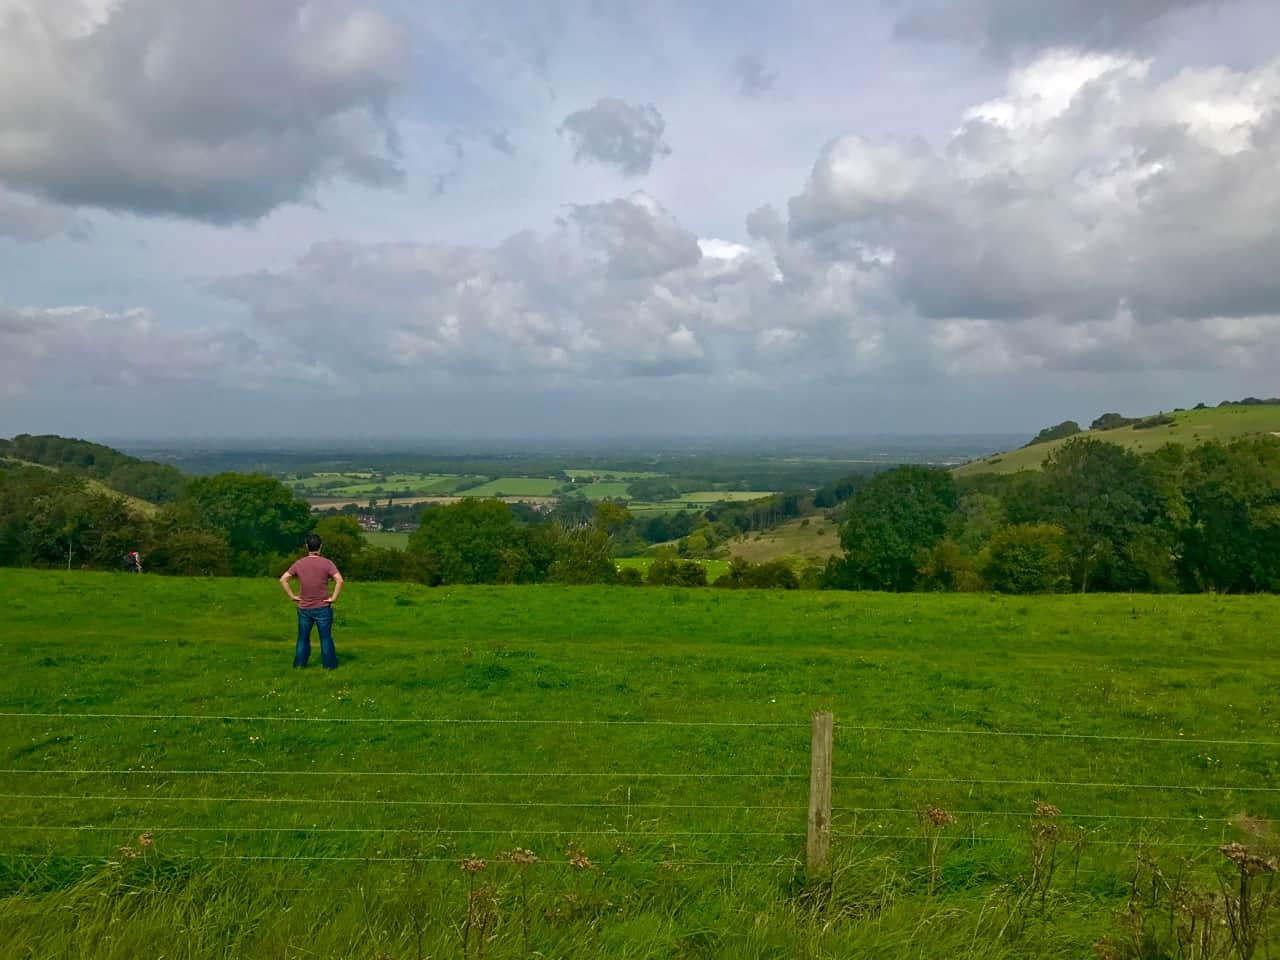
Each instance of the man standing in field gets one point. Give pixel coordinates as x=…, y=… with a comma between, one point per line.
x=315, y=602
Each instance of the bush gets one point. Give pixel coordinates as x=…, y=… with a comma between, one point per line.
x=188, y=553
x=770, y=575
x=1027, y=558
x=946, y=567
x=1060, y=431
x=630, y=577
x=670, y=572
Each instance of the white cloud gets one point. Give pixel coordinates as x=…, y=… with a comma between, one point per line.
x=1088, y=185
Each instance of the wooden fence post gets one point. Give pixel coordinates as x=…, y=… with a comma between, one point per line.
x=819, y=844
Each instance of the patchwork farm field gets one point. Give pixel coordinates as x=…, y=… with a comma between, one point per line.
x=173, y=788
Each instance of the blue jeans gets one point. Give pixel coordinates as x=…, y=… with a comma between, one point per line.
x=322, y=617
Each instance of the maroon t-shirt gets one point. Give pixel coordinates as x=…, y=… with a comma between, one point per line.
x=313, y=575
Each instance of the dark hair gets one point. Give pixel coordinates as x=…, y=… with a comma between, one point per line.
x=313, y=542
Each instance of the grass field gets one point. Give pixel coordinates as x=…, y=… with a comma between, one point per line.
x=1190, y=427
x=172, y=788
x=817, y=540
x=727, y=496
x=715, y=568
x=645, y=508
x=605, y=489
x=397, y=541
x=610, y=475
x=515, y=487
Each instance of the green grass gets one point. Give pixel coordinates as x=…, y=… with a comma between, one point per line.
x=646, y=508
x=515, y=487
x=715, y=568
x=144, y=507
x=605, y=489
x=817, y=539
x=608, y=475
x=397, y=541
x=693, y=830
x=1190, y=428
x=727, y=496
x=356, y=485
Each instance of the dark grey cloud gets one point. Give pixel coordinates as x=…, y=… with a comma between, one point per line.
x=617, y=134
x=753, y=75
x=765, y=223
x=29, y=222
x=500, y=140
x=89, y=348
x=215, y=110
x=1008, y=26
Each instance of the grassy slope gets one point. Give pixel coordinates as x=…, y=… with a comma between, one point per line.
x=1191, y=427
x=1167, y=667
x=138, y=505
x=790, y=539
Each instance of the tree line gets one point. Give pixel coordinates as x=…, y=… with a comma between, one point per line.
x=1097, y=517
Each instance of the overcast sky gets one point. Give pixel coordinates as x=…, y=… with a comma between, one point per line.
x=402, y=217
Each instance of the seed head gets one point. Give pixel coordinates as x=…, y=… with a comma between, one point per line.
x=523, y=857
x=1247, y=860
x=473, y=865
x=147, y=840
x=1047, y=810
x=578, y=858
x=939, y=817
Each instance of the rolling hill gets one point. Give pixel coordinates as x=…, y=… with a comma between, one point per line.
x=144, y=507
x=1189, y=427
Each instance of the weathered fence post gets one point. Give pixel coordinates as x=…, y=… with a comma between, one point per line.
x=819, y=844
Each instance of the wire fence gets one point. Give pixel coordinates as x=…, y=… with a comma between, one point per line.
x=708, y=801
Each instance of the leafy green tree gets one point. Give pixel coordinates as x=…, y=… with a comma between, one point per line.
x=475, y=541
x=948, y=567
x=584, y=551
x=342, y=540
x=159, y=483
x=188, y=552
x=259, y=516
x=1027, y=558
x=1232, y=540
x=669, y=571
x=894, y=518
x=770, y=575
x=76, y=527
x=977, y=518
x=1103, y=498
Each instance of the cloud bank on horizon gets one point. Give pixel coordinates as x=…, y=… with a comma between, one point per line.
x=586, y=217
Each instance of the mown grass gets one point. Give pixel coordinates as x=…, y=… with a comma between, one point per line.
x=694, y=833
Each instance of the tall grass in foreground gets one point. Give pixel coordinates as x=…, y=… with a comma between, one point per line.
x=229, y=807
x=871, y=904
